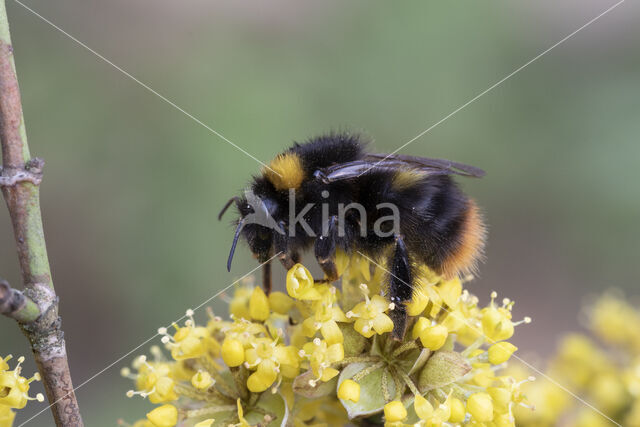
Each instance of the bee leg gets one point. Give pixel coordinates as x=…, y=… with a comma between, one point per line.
x=287, y=258
x=400, y=289
x=266, y=278
x=325, y=251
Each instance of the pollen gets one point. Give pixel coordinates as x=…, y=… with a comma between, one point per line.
x=285, y=171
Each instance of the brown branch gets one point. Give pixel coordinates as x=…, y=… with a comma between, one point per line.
x=20, y=177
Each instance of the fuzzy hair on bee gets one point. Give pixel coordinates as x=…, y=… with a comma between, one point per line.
x=330, y=194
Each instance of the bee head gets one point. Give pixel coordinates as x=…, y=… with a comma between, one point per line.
x=256, y=224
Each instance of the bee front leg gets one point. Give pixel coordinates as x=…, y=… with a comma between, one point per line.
x=287, y=258
x=400, y=287
x=325, y=250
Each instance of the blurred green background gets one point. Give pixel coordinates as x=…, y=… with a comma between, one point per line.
x=132, y=186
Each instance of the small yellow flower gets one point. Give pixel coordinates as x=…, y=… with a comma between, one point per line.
x=349, y=390
x=202, y=380
x=164, y=416
x=370, y=316
x=324, y=319
x=321, y=356
x=205, y=423
x=270, y=360
x=154, y=380
x=480, y=406
x=394, y=412
x=300, y=284
x=188, y=342
x=14, y=388
x=501, y=352
x=496, y=321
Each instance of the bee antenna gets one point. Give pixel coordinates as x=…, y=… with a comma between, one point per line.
x=226, y=206
x=235, y=242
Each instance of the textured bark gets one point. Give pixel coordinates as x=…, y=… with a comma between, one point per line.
x=20, y=177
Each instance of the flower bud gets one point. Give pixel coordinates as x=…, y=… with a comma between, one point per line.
x=280, y=302
x=349, y=390
x=163, y=416
x=501, y=398
x=501, y=352
x=480, y=406
x=394, y=412
x=434, y=337
x=232, y=352
x=300, y=284
x=442, y=368
x=258, y=305
x=458, y=411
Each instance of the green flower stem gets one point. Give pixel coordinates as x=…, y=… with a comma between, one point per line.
x=474, y=346
x=210, y=410
x=21, y=176
x=407, y=381
x=385, y=386
x=398, y=384
x=221, y=383
x=16, y=305
x=409, y=345
x=357, y=359
x=240, y=375
x=366, y=371
x=191, y=393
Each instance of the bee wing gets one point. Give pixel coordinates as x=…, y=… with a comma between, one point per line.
x=427, y=164
x=378, y=162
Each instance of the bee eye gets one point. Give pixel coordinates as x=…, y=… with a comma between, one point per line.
x=263, y=234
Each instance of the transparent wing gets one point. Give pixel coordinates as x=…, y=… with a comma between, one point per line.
x=371, y=162
x=428, y=164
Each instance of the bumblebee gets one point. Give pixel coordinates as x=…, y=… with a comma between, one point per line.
x=330, y=194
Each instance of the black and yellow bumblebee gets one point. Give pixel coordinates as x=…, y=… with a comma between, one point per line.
x=329, y=193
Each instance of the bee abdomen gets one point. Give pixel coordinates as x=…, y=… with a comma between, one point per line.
x=463, y=256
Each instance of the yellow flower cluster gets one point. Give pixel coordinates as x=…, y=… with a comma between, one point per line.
x=14, y=390
x=608, y=378
x=320, y=355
